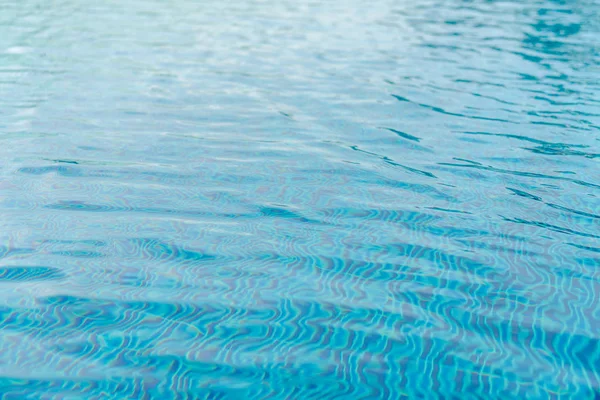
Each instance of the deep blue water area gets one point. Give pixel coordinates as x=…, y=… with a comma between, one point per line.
x=299, y=199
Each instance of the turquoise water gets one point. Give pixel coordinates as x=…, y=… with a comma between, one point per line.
x=299, y=199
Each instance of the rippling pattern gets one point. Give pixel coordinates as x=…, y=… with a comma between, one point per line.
x=306, y=199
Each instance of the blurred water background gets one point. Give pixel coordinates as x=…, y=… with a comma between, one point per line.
x=305, y=199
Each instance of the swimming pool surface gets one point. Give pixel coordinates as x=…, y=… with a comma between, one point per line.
x=297, y=199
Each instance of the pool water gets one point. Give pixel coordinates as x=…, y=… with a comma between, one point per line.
x=305, y=199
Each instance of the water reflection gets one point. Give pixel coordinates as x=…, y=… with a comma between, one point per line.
x=305, y=199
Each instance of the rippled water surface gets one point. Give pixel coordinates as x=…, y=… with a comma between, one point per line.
x=268, y=199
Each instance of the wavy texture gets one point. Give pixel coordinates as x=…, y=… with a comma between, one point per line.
x=299, y=199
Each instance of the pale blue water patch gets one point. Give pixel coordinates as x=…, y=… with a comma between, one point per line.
x=299, y=199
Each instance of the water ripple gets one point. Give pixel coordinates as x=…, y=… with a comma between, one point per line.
x=299, y=200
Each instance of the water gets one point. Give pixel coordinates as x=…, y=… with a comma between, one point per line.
x=299, y=199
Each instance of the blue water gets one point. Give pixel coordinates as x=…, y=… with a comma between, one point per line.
x=264, y=199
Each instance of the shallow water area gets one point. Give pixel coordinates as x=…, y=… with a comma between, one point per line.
x=299, y=199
